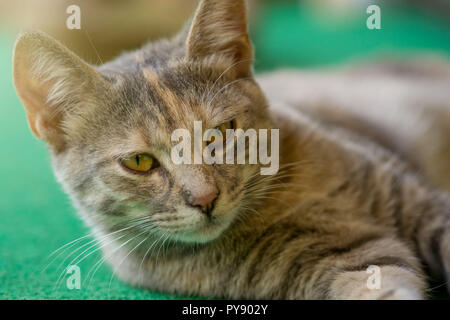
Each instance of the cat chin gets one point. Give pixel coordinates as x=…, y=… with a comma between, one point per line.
x=204, y=234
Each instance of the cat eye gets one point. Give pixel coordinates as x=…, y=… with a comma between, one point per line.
x=223, y=130
x=140, y=163
x=226, y=126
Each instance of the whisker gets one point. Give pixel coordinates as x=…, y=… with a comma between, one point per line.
x=162, y=244
x=221, y=75
x=86, y=254
x=103, y=259
x=224, y=87
x=72, y=243
x=102, y=243
x=126, y=256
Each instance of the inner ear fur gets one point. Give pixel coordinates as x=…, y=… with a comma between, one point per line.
x=51, y=82
x=219, y=31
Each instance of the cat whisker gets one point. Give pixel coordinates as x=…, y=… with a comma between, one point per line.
x=81, y=247
x=74, y=242
x=86, y=252
x=127, y=255
x=67, y=247
x=271, y=198
x=221, y=75
x=259, y=214
x=103, y=259
x=277, y=187
x=82, y=256
x=224, y=87
x=161, y=246
x=145, y=255
x=437, y=287
x=69, y=243
x=256, y=182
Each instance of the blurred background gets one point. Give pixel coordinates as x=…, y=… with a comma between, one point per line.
x=285, y=32
x=36, y=217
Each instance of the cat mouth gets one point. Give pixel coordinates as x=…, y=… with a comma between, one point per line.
x=209, y=229
x=209, y=215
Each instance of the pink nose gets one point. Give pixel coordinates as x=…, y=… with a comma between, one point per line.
x=206, y=200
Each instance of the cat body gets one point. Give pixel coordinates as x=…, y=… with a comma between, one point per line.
x=402, y=105
x=337, y=212
x=339, y=204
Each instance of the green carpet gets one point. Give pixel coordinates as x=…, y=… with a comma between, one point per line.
x=36, y=217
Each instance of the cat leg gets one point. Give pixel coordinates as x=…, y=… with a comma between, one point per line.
x=342, y=261
x=433, y=241
x=385, y=268
x=426, y=224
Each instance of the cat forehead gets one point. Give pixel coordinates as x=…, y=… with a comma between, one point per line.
x=174, y=94
x=140, y=140
x=144, y=110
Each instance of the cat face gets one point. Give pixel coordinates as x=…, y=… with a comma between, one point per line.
x=104, y=125
x=142, y=112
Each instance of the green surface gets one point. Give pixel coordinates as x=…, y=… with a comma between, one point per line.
x=36, y=217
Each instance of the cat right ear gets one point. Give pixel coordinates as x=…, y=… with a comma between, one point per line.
x=52, y=82
x=219, y=31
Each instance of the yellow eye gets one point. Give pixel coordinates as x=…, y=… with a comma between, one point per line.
x=223, y=130
x=142, y=163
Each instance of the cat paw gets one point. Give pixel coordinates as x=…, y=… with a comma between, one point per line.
x=395, y=283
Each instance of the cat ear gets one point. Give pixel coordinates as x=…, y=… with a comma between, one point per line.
x=219, y=30
x=51, y=82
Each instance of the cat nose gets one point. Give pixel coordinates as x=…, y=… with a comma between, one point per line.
x=205, y=201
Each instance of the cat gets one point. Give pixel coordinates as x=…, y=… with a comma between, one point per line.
x=339, y=204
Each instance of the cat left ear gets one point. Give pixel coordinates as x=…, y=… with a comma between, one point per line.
x=219, y=30
x=53, y=84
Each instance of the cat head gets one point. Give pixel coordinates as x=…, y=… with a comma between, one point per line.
x=109, y=128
